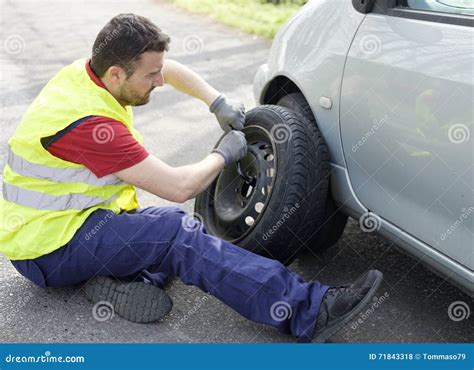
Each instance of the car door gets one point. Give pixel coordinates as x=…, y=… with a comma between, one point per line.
x=407, y=120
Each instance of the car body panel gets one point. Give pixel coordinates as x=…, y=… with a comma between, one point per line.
x=310, y=51
x=407, y=89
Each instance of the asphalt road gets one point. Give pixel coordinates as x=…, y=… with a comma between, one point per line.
x=40, y=37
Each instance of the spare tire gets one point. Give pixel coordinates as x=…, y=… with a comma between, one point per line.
x=262, y=203
x=330, y=231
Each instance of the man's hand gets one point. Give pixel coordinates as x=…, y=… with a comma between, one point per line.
x=232, y=147
x=229, y=113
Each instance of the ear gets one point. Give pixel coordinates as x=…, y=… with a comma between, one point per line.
x=116, y=75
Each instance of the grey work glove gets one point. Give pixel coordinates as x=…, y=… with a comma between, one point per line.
x=232, y=146
x=229, y=113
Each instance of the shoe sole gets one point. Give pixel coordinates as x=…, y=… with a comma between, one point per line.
x=329, y=332
x=135, y=301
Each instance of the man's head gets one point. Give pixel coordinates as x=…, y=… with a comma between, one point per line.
x=128, y=55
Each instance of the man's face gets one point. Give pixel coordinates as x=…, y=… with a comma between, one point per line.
x=136, y=89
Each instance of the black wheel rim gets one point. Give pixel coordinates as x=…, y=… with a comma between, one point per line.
x=236, y=204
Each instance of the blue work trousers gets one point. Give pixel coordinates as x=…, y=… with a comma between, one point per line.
x=154, y=244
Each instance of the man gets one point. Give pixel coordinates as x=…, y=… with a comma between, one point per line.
x=70, y=212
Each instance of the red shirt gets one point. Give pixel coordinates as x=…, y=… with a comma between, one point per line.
x=102, y=144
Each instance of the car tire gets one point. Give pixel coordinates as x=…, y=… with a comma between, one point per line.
x=295, y=193
x=335, y=221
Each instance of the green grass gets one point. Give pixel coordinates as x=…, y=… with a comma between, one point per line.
x=251, y=16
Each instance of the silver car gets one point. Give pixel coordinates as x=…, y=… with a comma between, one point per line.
x=365, y=110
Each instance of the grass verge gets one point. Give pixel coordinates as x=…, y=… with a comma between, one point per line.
x=252, y=16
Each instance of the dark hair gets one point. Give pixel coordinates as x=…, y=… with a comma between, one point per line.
x=122, y=41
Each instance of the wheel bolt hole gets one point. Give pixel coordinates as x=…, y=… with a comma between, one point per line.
x=246, y=190
x=266, y=190
x=270, y=172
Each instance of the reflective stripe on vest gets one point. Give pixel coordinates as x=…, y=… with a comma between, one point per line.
x=29, y=169
x=42, y=201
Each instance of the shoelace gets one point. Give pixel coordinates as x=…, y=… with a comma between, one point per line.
x=337, y=289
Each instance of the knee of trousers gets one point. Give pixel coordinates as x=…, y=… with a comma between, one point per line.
x=172, y=209
x=173, y=223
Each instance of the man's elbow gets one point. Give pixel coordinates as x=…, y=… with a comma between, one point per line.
x=186, y=190
x=181, y=197
x=182, y=192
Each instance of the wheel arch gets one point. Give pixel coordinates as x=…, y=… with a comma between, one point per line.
x=277, y=88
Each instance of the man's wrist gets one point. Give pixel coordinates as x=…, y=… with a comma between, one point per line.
x=211, y=96
x=218, y=156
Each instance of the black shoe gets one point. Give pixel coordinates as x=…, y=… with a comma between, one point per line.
x=134, y=301
x=341, y=304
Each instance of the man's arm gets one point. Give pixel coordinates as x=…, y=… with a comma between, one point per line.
x=229, y=113
x=176, y=184
x=185, y=80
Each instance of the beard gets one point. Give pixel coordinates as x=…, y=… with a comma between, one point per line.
x=133, y=98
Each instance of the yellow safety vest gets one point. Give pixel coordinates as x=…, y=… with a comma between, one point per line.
x=46, y=199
